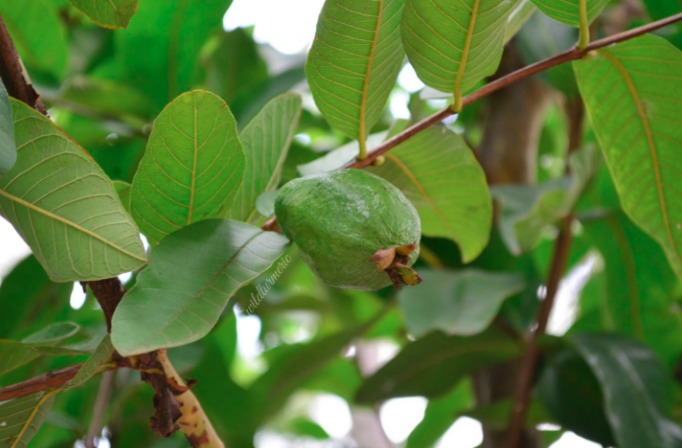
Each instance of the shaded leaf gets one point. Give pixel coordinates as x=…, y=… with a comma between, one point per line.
x=266, y=141
x=14, y=354
x=433, y=364
x=191, y=276
x=568, y=11
x=340, y=156
x=20, y=419
x=441, y=177
x=107, y=97
x=124, y=190
x=439, y=415
x=192, y=167
x=65, y=207
x=354, y=62
x=108, y=13
x=8, y=149
x=637, y=390
x=454, y=45
x=632, y=95
x=41, y=40
x=570, y=392
x=520, y=14
x=463, y=302
x=92, y=366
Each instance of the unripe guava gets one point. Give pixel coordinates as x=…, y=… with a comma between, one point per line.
x=354, y=229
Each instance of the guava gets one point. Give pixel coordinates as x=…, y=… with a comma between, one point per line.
x=354, y=229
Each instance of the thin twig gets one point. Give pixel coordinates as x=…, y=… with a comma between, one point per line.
x=49, y=380
x=562, y=249
x=530, y=70
x=99, y=409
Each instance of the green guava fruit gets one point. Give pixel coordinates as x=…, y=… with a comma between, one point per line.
x=354, y=229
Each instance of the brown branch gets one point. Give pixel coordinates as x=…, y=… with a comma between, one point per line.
x=13, y=75
x=525, y=72
x=562, y=249
x=49, y=380
x=109, y=294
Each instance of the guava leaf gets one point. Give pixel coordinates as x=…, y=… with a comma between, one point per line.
x=65, y=207
x=14, y=354
x=440, y=175
x=638, y=392
x=192, y=167
x=108, y=13
x=42, y=41
x=631, y=91
x=8, y=149
x=101, y=355
x=453, y=45
x=568, y=11
x=191, y=275
x=354, y=62
x=266, y=141
x=463, y=302
x=21, y=418
x=430, y=366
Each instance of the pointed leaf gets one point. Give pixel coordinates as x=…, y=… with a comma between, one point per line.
x=191, y=276
x=430, y=366
x=65, y=207
x=463, y=302
x=192, y=167
x=108, y=13
x=440, y=175
x=266, y=141
x=20, y=419
x=568, y=11
x=14, y=354
x=354, y=62
x=632, y=95
x=638, y=392
x=453, y=45
x=8, y=150
x=92, y=366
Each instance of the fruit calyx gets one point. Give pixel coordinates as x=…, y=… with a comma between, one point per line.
x=394, y=261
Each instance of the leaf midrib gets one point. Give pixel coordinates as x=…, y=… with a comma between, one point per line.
x=71, y=224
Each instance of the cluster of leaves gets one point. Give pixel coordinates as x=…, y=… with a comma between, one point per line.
x=199, y=182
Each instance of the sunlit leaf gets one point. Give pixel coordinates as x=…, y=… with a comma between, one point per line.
x=65, y=207
x=21, y=418
x=41, y=40
x=354, y=62
x=638, y=393
x=440, y=175
x=8, y=150
x=568, y=11
x=192, y=167
x=108, y=13
x=191, y=276
x=632, y=93
x=463, y=302
x=266, y=141
x=454, y=45
x=430, y=366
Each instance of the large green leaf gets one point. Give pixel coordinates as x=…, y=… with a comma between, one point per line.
x=65, y=207
x=463, y=302
x=39, y=35
x=266, y=141
x=440, y=175
x=354, y=62
x=453, y=45
x=160, y=50
x=20, y=419
x=190, y=278
x=632, y=95
x=108, y=13
x=568, y=11
x=8, y=149
x=430, y=366
x=192, y=167
x=637, y=390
